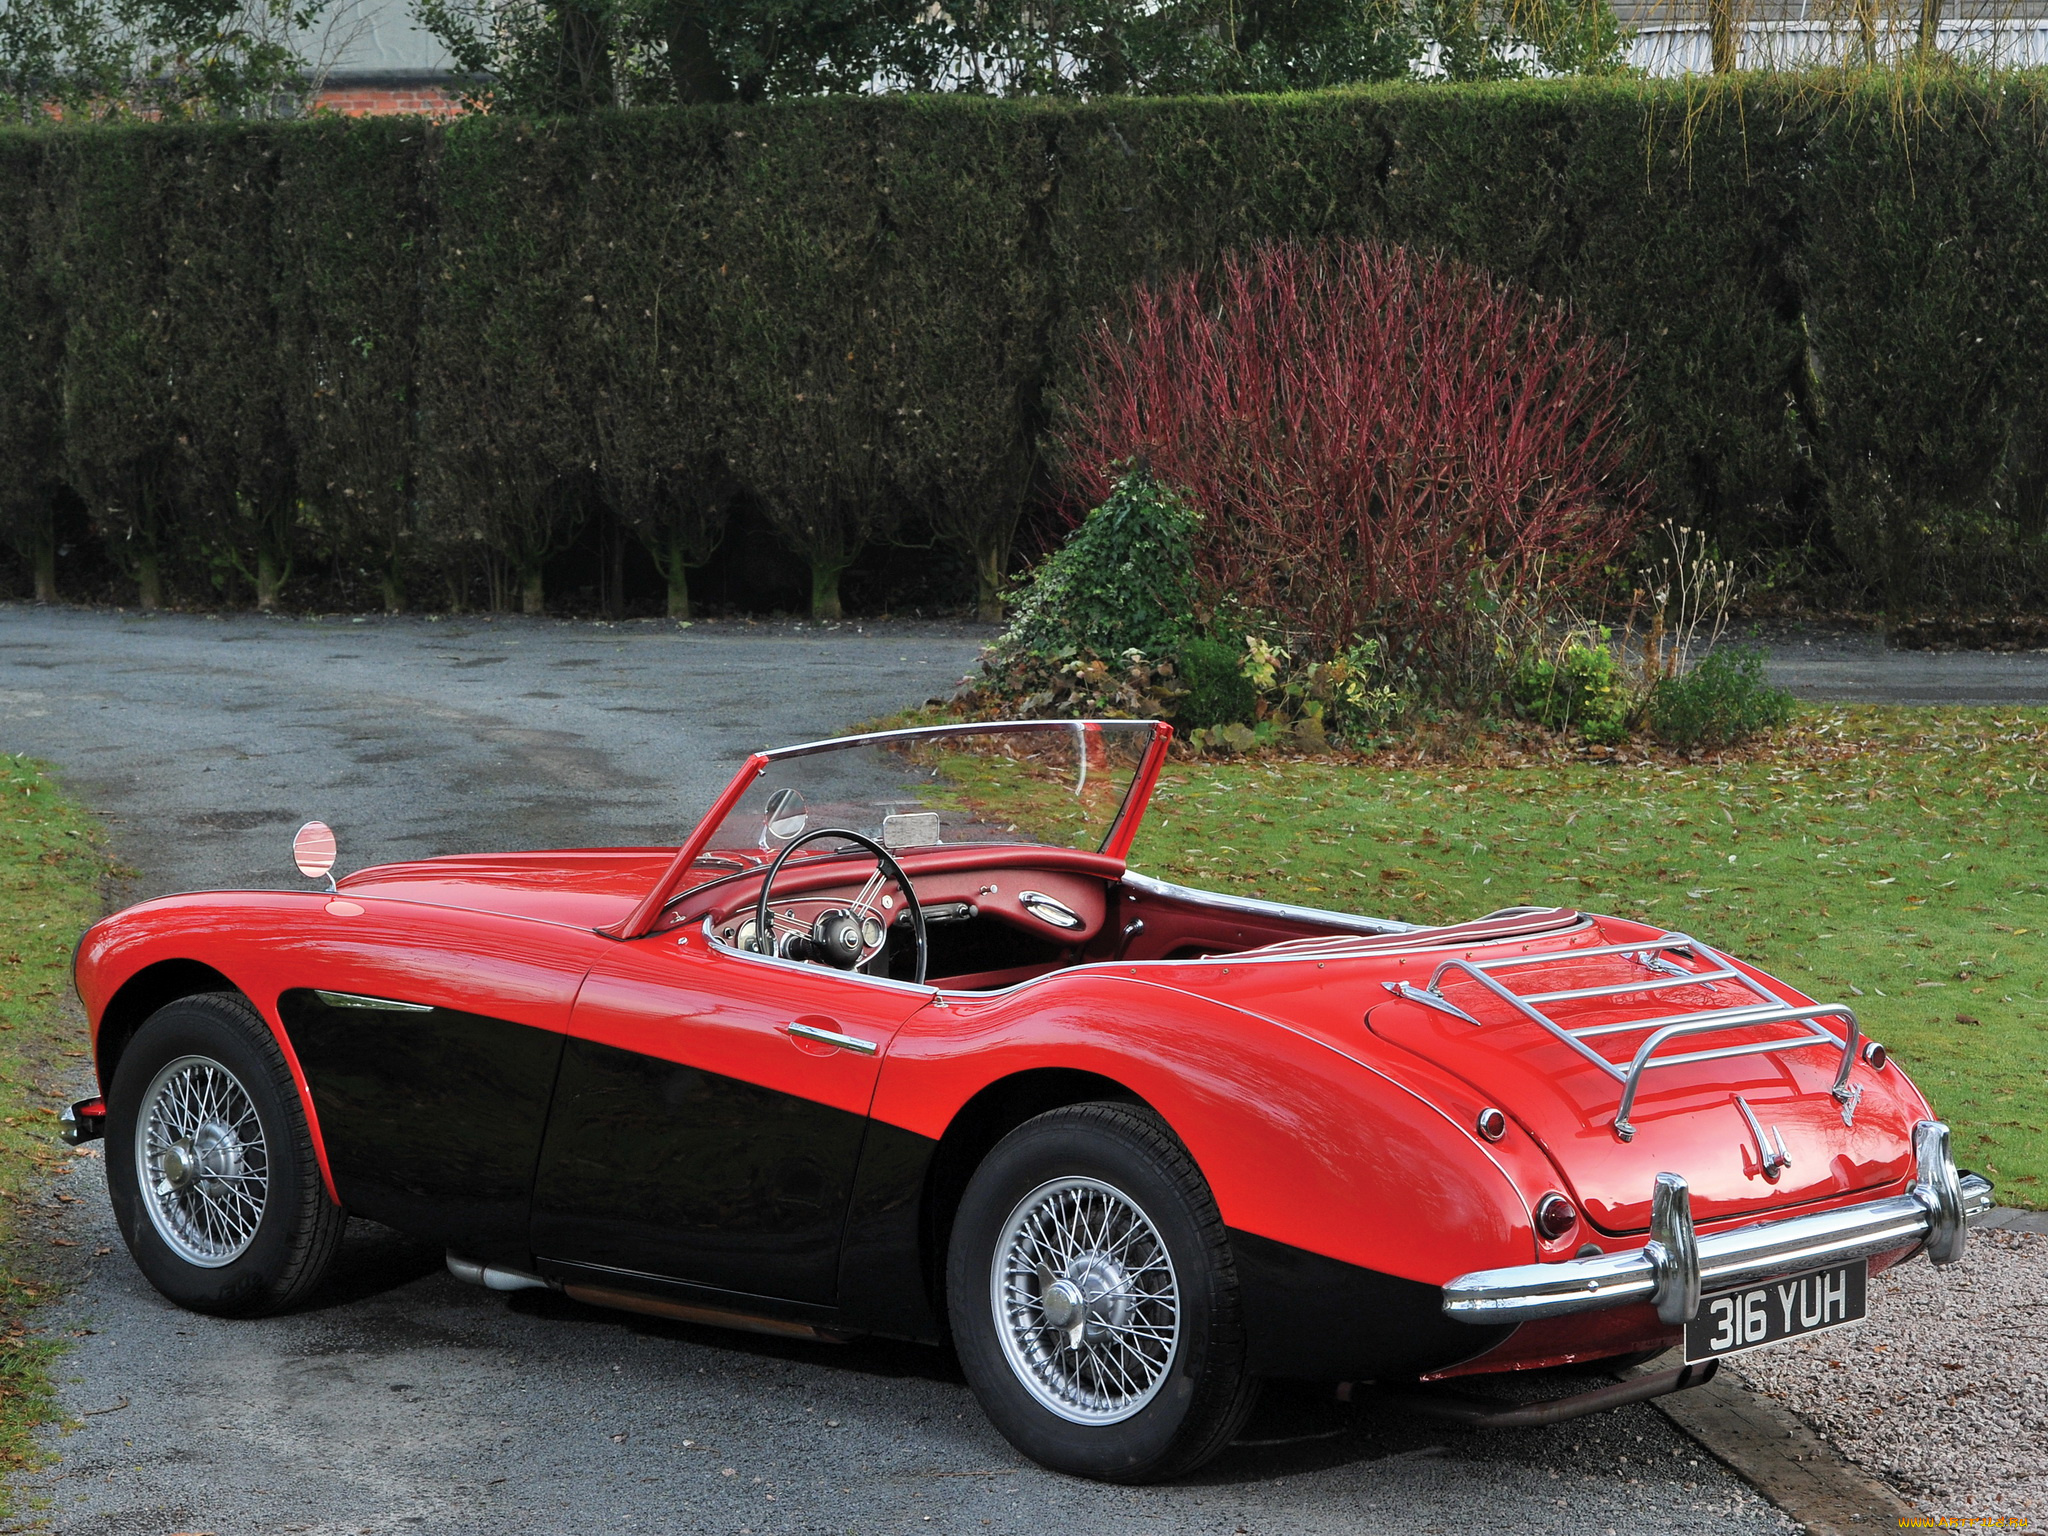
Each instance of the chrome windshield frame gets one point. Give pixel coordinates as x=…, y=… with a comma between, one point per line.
x=1116, y=843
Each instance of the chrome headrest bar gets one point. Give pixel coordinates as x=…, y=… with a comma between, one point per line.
x=1767, y=1008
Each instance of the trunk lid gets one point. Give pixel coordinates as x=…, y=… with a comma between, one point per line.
x=1686, y=1118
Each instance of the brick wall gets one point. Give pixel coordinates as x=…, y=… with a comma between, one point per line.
x=387, y=101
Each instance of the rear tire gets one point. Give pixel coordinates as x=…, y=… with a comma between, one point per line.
x=210, y=1162
x=1094, y=1301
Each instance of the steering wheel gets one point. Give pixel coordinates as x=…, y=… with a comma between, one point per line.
x=842, y=938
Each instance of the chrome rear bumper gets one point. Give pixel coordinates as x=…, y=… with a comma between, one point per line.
x=1675, y=1267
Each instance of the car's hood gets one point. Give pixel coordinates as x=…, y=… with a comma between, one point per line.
x=581, y=887
x=1685, y=1117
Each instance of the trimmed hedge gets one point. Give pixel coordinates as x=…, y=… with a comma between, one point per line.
x=387, y=354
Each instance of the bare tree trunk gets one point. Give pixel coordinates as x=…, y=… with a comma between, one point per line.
x=1930, y=27
x=269, y=581
x=612, y=544
x=677, y=570
x=392, y=588
x=825, y=591
x=533, y=596
x=46, y=567
x=1721, y=35
x=149, y=582
x=691, y=62
x=990, y=557
x=583, y=66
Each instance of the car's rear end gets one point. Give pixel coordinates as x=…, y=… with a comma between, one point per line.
x=1734, y=1158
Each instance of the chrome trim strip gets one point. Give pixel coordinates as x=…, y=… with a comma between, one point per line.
x=832, y=1037
x=380, y=1004
x=1661, y=1270
x=1251, y=906
x=970, y=728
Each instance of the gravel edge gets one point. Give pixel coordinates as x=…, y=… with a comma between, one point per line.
x=1943, y=1393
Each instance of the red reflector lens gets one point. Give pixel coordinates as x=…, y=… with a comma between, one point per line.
x=1555, y=1217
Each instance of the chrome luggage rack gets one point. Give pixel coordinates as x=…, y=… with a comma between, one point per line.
x=1768, y=1008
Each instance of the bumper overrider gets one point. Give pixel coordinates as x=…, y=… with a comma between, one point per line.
x=1676, y=1266
x=84, y=1121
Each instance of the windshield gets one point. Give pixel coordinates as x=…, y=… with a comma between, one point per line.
x=1053, y=783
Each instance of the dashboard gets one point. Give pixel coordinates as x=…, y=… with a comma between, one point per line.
x=986, y=926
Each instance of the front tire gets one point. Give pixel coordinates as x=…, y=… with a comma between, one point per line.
x=1093, y=1299
x=210, y=1162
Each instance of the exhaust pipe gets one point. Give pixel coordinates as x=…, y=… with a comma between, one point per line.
x=1485, y=1413
x=492, y=1278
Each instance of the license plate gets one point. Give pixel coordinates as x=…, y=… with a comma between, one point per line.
x=1782, y=1309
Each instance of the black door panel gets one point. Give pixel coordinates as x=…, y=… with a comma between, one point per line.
x=432, y=1120
x=659, y=1167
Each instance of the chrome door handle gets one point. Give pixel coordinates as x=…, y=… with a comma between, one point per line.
x=828, y=1037
x=380, y=1004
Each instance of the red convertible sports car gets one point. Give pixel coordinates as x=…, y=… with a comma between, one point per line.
x=896, y=1044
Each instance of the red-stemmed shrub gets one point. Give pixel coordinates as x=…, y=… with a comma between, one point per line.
x=1380, y=443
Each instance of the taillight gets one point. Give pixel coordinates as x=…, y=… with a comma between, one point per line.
x=1555, y=1217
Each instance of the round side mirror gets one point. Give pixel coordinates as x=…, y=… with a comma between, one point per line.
x=313, y=849
x=784, y=817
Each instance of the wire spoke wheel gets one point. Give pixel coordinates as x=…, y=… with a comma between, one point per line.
x=201, y=1162
x=1087, y=1305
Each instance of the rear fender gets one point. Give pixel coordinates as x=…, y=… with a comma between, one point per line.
x=1300, y=1143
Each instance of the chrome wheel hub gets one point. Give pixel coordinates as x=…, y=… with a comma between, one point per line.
x=201, y=1162
x=1086, y=1302
x=1065, y=1306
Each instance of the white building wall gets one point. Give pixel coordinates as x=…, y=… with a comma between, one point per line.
x=1681, y=48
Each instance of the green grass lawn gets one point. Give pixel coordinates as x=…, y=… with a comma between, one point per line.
x=1895, y=859
x=52, y=869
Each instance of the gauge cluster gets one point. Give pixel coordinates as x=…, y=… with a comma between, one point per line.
x=1043, y=911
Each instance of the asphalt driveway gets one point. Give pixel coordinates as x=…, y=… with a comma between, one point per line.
x=401, y=1401
x=1856, y=667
